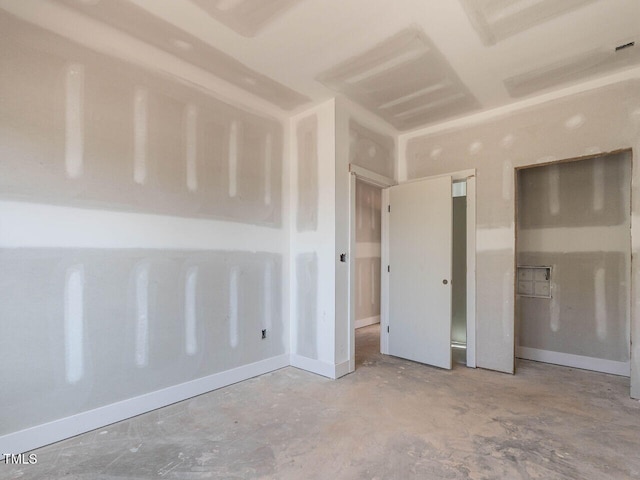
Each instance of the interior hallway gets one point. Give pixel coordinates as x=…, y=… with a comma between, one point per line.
x=390, y=419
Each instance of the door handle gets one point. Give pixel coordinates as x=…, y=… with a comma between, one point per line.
x=445, y=281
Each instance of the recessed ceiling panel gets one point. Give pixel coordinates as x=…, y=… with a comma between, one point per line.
x=404, y=80
x=495, y=20
x=580, y=67
x=137, y=22
x=246, y=17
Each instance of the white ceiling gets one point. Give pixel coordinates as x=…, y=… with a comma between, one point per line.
x=535, y=46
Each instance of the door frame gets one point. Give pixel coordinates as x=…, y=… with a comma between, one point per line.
x=470, y=177
x=377, y=180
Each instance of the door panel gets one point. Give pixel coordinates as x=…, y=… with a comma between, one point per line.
x=420, y=237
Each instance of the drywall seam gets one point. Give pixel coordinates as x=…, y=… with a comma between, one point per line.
x=577, y=361
x=41, y=435
x=573, y=239
x=74, y=116
x=477, y=119
x=27, y=225
x=108, y=40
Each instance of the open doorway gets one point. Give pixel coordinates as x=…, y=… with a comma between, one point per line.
x=367, y=270
x=573, y=256
x=459, y=274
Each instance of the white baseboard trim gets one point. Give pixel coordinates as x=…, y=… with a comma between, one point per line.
x=319, y=367
x=576, y=361
x=365, y=322
x=41, y=435
x=342, y=369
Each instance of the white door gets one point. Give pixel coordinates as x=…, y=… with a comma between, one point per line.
x=420, y=235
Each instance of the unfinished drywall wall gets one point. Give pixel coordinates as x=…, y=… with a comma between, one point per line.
x=371, y=150
x=83, y=129
x=142, y=241
x=137, y=22
x=368, y=248
x=575, y=218
x=99, y=326
x=307, y=179
x=600, y=120
x=313, y=240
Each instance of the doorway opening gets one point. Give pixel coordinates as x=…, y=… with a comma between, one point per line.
x=573, y=263
x=459, y=274
x=368, y=239
x=417, y=253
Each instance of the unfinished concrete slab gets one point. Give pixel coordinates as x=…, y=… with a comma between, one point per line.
x=246, y=17
x=404, y=79
x=390, y=419
x=496, y=20
x=139, y=23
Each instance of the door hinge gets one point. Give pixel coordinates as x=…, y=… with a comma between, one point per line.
x=387, y=328
x=388, y=268
x=389, y=208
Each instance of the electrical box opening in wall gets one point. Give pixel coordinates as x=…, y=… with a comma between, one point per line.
x=534, y=281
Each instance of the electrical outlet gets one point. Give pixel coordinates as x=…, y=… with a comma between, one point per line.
x=264, y=333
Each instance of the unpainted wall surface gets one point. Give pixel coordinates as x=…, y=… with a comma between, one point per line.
x=92, y=327
x=312, y=239
x=131, y=19
x=371, y=150
x=588, y=313
x=307, y=302
x=601, y=120
x=368, y=244
x=82, y=129
x=307, y=205
x=575, y=217
x=101, y=313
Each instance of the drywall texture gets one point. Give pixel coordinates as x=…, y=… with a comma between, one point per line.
x=104, y=311
x=100, y=326
x=313, y=240
x=246, y=17
x=496, y=21
x=586, y=205
x=371, y=150
x=601, y=120
x=404, y=80
x=137, y=22
x=307, y=180
x=368, y=239
x=82, y=129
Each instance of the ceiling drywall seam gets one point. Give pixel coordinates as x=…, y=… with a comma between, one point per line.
x=104, y=39
x=476, y=118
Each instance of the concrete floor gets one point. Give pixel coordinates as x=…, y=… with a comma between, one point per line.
x=391, y=419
